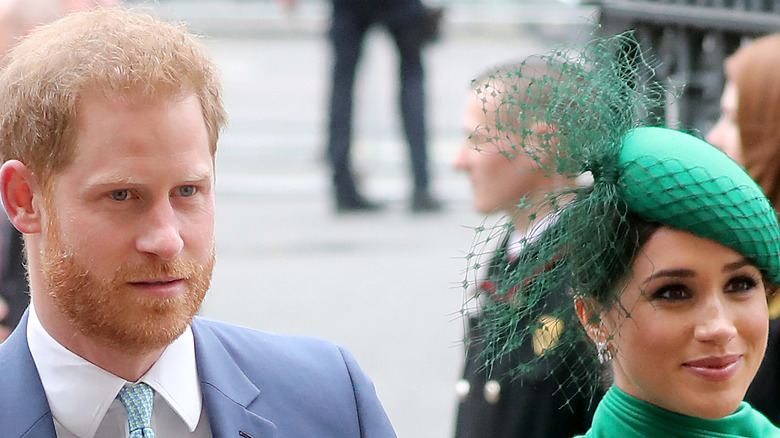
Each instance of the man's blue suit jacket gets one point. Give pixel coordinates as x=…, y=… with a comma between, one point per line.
x=254, y=384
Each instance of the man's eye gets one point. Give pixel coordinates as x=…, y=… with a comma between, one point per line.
x=187, y=190
x=120, y=194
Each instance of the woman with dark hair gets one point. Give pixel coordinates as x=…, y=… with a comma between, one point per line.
x=668, y=251
x=684, y=320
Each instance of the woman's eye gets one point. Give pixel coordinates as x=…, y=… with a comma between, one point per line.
x=120, y=194
x=187, y=190
x=671, y=292
x=741, y=283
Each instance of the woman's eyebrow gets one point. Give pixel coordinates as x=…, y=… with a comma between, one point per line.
x=675, y=273
x=687, y=273
x=736, y=265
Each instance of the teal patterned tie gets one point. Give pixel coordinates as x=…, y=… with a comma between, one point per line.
x=137, y=400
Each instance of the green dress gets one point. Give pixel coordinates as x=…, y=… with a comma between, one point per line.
x=621, y=415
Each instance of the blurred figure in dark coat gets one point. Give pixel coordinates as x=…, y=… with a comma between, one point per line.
x=411, y=25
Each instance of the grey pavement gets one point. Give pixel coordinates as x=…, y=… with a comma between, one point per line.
x=386, y=286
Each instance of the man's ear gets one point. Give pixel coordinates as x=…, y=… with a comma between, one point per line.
x=546, y=135
x=18, y=188
x=542, y=127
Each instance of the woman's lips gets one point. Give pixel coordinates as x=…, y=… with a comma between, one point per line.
x=715, y=368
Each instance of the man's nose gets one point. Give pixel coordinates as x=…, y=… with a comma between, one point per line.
x=161, y=234
x=461, y=159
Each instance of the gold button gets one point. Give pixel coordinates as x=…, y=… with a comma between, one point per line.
x=492, y=391
x=546, y=336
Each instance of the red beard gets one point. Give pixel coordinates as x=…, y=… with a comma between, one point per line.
x=109, y=311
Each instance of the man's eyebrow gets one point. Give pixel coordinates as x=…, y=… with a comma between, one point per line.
x=115, y=179
x=110, y=180
x=198, y=175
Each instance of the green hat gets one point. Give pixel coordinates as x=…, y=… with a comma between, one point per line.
x=679, y=180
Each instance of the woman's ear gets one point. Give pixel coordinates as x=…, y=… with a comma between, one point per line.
x=17, y=189
x=591, y=319
x=588, y=318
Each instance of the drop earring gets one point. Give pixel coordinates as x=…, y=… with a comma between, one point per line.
x=604, y=355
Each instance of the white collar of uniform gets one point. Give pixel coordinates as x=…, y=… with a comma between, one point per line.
x=514, y=245
x=79, y=392
x=519, y=239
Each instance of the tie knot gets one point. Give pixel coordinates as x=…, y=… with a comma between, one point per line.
x=137, y=400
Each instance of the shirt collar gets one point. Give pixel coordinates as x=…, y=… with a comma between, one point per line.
x=79, y=392
x=520, y=239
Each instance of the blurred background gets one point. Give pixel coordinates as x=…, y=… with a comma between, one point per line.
x=388, y=285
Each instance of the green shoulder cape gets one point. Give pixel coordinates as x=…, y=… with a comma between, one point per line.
x=621, y=415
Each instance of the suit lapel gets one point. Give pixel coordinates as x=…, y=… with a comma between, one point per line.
x=24, y=410
x=227, y=392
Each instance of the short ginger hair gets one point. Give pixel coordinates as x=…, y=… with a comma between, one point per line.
x=115, y=51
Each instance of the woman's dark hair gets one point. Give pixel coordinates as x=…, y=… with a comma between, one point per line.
x=619, y=236
x=643, y=230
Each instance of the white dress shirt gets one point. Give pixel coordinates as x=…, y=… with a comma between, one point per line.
x=82, y=396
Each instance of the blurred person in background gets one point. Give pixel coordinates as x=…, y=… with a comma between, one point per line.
x=69, y=6
x=4, y=330
x=17, y=19
x=412, y=25
x=14, y=294
x=748, y=130
x=494, y=403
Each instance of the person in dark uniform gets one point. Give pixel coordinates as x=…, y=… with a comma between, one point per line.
x=13, y=278
x=411, y=25
x=13, y=281
x=494, y=402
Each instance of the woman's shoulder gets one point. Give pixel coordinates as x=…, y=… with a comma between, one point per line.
x=759, y=424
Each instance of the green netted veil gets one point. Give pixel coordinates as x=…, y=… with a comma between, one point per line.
x=597, y=106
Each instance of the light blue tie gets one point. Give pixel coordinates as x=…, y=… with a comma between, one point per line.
x=137, y=400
